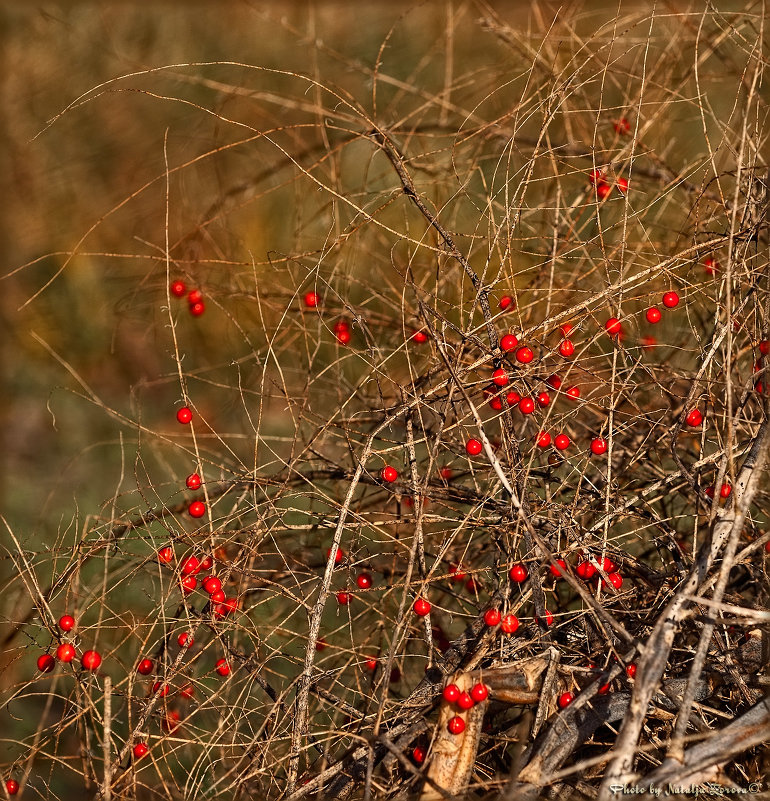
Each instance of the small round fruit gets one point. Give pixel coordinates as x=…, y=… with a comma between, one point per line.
x=364, y=580
x=671, y=300
x=464, y=701
x=543, y=399
x=197, y=509
x=418, y=754
x=343, y=336
x=492, y=617
x=604, y=689
x=389, y=474
x=505, y=302
x=512, y=398
x=91, y=660
x=473, y=447
x=508, y=342
x=166, y=554
x=586, y=570
x=184, y=415
x=622, y=185
x=500, y=377
x=193, y=481
x=140, y=750
x=567, y=348
x=613, y=327
x=197, y=309
x=66, y=622
x=189, y=583
x=595, y=175
x=710, y=265
x=559, y=568
x=456, y=725
x=45, y=663
x=631, y=670
x=608, y=566
x=603, y=190
x=524, y=355
x=446, y=473
x=565, y=699
x=547, y=620
x=212, y=584
x=451, y=693
x=190, y=566
x=598, y=446
x=344, y=598
x=222, y=667
x=371, y=663
x=509, y=624
x=185, y=640
x=543, y=439
x=725, y=491
x=338, y=557
x=526, y=405
x=764, y=347
x=573, y=392
x=217, y=597
x=694, y=418
x=65, y=652
x=178, y=289
x=616, y=580
x=653, y=315
x=195, y=296
x=160, y=689
x=421, y=607
x=145, y=667
x=554, y=381
x=622, y=126
x=496, y=404
x=11, y=787
x=562, y=442
x=311, y=300
x=457, y=572
x=518, y=573
x=419, y=337
x=479, y=692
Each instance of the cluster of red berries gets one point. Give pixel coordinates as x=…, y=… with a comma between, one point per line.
x=603, y=187
x=190, y=567
x=193, y=481
x=65, y=652
x=452, y=694
x=194, y=297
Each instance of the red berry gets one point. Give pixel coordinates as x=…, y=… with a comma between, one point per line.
x=12, y=787
x=185, y=639
x=595, y=175
x=547, y=621
x=559, y=568
x=505, y=302
x=562, y=442
x=161, y=689
x=66, y=622
x=512, y=398
x=197, y=509
x=364, y=580
x=65, y=652
x=457, y=572
x=598, y=446
x=526, y=405
x=195, y=296
x=178, y=289
x=421, y=607
x=709, y=492
x=189, y=583
x=622, y=126
x=420, y=337
x=479, y=693
x=616, y=580
x=222, y=667
x=184, y=415
x=573, y=392
x=389, y=474
x=144, y=667
x=418, y=754
x=496, y=404
x=567, y=348
x=649, y=342
x=604, y=689
x=524, y=355
x=764, y=347
x=710, y=265
x=508, y=342
x=166, y=554
x=492, y=617
x=603, y=189
x=500, y=377
x=193, y=481
x=518, y=573
x=212, y=584
x=344, y=598
x=338, y=557
x=608, y=566
x=565, y=699
x=622, y=185
x=473, y=447
x=631, y=670
x=190, y=566
x=509, y=624
x=311, y=300
x=91, y=660
x=585, y=570
x=45, y=663
x=464, y=701
x=652, y=315
x=543, y=439
x=554, y=381
x=446, y=473
x=140, y=750
x=725, y=491
x=694, y=418
x=613, y=327
x=451, y=693
x=543, y=399
x=670, y=300
x=456, y=725
x=371, y=663
x=197, y=309
x=343, y=336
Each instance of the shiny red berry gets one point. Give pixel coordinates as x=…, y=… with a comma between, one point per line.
x=418, y=754
x=65, y=652
x=554, y=381
x=505, y=302
x=140, y=750
x=473, y=447
x=421, y=607
x=145, y=667
x=91, y=660
x=565, y=699
x=160, y=689
x=419, y=337
x=195, y=296
x=338, y=557
x=631, y=670
x=12, y=787
x=598, y=446
x=725, y=491
x=562, y=442
x=451, y=693
x=364, y=580
x=526, y=405
x=344, y=598
x=694, y=418
x=212, y=584
x=622, y=185
x=343, y=336
x=166, y=554
x=710, y=265
x=371, y=663
x=543, y=399
x=193, y=481
x=197, y=309
x=500, y=377
x=613, y=327
x=311, y=300
x=547, y=620
x=653, y=315
x=190, y=566
x=222, y=667
x=543, y=439
x=509, y=624
x=464, y=701
x=178, y=289
x=197, y=509
x=456, y=725
x=45, y=663
x=389, y=474
x=189, y=583
x=512, y=398
x=616, y=580
x=184, y=415
x=508, y=342
x=492, y=617
x=670, y=300
x=66, y=622
x=559, y=568
x=595, y=175
x=524, y=355
x=603, y=189
x=185, y=640
x=567, y=348
x=479, y=692
x=622, y=126
x=518, y=573
x=586, y=570
x=764, y=347
x=573, y=392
